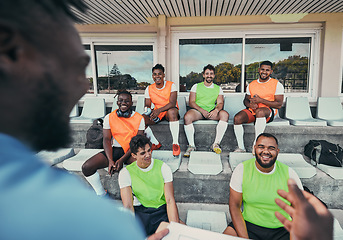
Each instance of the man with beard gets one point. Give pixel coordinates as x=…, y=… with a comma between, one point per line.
x=163, y=94
x=119, y=127
x=42, y=76
x=254, y=183
x=263, y=98
x=207, y=101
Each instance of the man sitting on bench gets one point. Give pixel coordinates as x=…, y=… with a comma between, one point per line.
x=146, y=187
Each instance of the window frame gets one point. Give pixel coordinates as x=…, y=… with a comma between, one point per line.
x=340, y=92
x=312, y=30
x=116, y=39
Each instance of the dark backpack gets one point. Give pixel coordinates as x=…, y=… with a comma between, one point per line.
x=94, y=135
x=324, y=152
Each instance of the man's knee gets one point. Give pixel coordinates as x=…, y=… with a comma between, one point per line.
x=238, y=119
x=87, y=168
x=224, y=116
x=188, y=118
x=172, y=114
x=262, y=112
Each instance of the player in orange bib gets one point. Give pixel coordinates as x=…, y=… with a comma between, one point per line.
x=163, y=94
x=119, y=127
x=263, y=98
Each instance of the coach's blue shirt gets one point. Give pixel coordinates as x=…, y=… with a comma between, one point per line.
x=40, y=202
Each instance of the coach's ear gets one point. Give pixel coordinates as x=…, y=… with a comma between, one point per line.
x=9, y=42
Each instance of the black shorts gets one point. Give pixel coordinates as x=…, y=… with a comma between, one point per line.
x=117, y=152
x=252, y=117
x=201, y=113
x=263, y=233
x=151, y=217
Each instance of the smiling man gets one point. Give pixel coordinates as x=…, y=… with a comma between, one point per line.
x=163, y=94
x=119, y=127
x=42, y=76
x=146, y=187
x=206, y=100
x=254, y=183
x=263, y=98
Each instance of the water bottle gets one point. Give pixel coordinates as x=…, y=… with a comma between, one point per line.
x=147, y=111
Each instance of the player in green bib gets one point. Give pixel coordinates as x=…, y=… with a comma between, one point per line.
x=254, y=184
x=206, y=100
x=146, y=187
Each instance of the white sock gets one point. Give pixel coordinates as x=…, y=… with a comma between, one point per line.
x=260, y=125
x=174, y=129
x=95, y=182
x=151, y=136
x=220, y=131
x=239, y=133
x=189, y=130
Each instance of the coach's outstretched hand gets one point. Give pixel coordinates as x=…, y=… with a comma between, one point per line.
x=310, y=218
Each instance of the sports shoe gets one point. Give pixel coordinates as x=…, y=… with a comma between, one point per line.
x=176, y=150
x=216, y=148
x=155, y=147
x=239, y=150
x=188, y=151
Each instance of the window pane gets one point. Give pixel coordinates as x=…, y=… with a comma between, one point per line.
x=290, y=57
x=123, y=67
x=89, y=72
x=224, y=54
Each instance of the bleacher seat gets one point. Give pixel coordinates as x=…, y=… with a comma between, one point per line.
x=233, y=104
x=93, y=108
x=181, y=100
x=208, y=220
x=330, y=110
x=74, y=112
x=278, y=121
x=54, y=157
x=75, y=163
x=168, y=158
x=140, y=104
x=207, y=163
x=114, y=105
x=334, y=172
x=299, y=114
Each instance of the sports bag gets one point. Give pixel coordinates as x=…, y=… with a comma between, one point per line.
x=324, y=152
x=94, y=135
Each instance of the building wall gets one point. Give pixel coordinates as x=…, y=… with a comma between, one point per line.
x=329, y=77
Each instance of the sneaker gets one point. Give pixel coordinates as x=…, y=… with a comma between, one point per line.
x=216, y=148
x=155, y=147
x=176, y=150
x=239, y=150
x=188, y=151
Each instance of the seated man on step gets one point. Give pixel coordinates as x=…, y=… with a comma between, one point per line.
x=263, y=99
x=254, y=184
x=207, y=101
x=146, y=187
x=163, y=94
x=119, y=127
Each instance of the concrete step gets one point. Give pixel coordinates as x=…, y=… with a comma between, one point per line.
x=292, y=139
x=214, y=189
